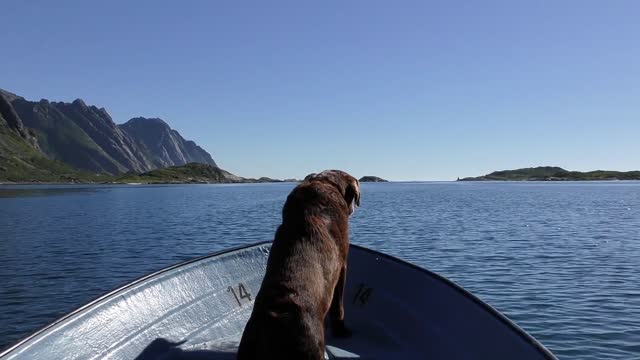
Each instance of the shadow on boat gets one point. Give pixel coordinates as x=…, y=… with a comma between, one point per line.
x=163, y=349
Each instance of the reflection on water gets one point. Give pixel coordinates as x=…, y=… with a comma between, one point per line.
x=559, y=259
x=40, y=190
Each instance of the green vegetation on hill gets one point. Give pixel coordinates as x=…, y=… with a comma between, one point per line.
x=21, y=162
x=549, y=173
x=189, y=173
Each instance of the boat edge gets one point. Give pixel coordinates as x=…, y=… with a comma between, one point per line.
x=526, y=336
x=132, y=283
x=500, y=316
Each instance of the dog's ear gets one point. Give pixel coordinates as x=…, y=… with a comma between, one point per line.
x=352, y=195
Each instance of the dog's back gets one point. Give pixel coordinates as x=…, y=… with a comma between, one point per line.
x=306, y=259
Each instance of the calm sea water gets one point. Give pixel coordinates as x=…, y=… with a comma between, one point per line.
x=562, y=260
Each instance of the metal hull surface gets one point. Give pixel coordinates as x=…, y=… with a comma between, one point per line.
x=198, y=309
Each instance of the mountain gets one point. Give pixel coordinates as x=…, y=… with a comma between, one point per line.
x=87, y=138
x=163, y=145
x=20, y=156
x=549, y=173
x=82, y=136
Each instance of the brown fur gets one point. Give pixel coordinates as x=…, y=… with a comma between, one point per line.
x=306, y=272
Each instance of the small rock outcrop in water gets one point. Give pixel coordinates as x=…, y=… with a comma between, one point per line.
x=550, y=173
x=372, y=179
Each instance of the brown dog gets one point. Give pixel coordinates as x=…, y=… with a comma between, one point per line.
x=306, y=272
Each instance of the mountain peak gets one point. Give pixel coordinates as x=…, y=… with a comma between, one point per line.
x=9, y=96
x=143, y=121
x=170, y=148
x=11, y=118
x=79, y=102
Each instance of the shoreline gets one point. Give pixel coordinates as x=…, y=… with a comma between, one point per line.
x=143, y=183
x=546, y=180
x=27, y=183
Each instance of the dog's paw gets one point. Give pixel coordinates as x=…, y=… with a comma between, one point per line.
x=339, y=330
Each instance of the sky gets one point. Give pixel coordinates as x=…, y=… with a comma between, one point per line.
x=405, y=90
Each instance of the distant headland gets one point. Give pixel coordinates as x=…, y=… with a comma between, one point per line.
x=552, y=173
x=372, y=179
x=192, y=173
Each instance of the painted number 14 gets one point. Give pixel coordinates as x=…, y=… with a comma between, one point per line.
x=241, y=294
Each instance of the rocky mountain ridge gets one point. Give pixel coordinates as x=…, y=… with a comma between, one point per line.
x=86, y=137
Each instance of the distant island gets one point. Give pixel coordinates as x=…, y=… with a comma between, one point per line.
x=552, y=173
x=372, y=179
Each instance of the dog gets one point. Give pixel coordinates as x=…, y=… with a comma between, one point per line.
x=306, y=272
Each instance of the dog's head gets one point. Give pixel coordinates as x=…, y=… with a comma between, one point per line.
x=348, y=186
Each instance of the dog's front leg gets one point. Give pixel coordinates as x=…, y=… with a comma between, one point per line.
x=336, y=311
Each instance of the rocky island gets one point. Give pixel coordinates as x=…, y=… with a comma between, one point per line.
x=552, y=173
x=372, y=179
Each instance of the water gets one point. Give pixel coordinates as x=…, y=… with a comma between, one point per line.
x=562, y=260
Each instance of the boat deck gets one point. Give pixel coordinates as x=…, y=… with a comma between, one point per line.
x=198, y=310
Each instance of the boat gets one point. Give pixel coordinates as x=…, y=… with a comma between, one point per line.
x=198, y=309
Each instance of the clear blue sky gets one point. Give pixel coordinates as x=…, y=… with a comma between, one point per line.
x=407, y=90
